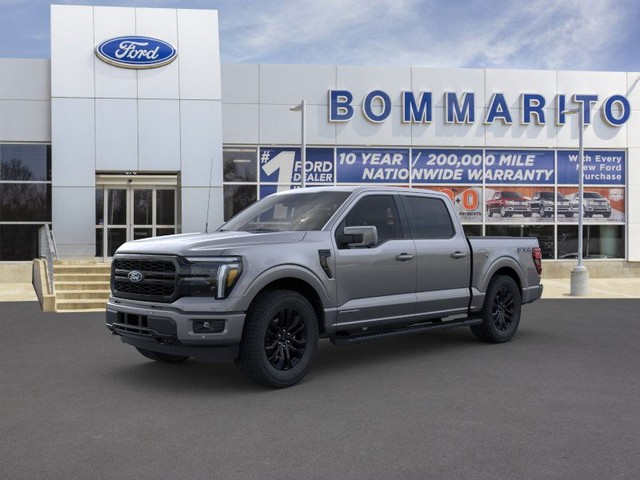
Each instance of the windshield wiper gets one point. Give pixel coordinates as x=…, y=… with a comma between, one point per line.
x=262, y=230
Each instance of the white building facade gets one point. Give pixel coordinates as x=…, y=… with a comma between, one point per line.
x=107, y=154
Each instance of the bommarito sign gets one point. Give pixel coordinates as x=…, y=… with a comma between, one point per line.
x=459, y=108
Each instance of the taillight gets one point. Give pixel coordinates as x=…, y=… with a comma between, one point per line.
x=537, y=259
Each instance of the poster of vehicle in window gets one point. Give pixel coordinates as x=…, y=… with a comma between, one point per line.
x=283, y=167
x=509, y=204
x=601, y=167
x=601, y=205
x=467, y=200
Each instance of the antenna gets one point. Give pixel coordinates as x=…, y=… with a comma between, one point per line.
x=206, y=223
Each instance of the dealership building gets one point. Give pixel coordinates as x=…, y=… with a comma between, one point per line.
x=134, y=129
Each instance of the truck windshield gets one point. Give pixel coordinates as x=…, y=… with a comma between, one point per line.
x=296, y=211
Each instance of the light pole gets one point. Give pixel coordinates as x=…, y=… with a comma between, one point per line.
x=302, y=107
x=580, y=274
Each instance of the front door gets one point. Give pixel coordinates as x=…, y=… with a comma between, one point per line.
x=132, y=211
x=376, y=285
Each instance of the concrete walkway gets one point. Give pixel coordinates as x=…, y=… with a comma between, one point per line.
x=553, y=288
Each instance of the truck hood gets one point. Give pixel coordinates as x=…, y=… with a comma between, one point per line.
x=206, y=244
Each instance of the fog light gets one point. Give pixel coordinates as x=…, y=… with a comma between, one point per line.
x=208, y=326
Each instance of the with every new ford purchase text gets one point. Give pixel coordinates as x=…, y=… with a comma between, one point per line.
x=351, y=264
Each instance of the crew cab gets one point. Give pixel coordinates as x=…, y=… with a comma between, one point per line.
x=507, y=204
x=350, y=264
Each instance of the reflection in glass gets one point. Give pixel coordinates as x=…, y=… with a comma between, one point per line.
x=25, y=162
x=25, y=202
x=544, y=234
x=115, y=238
x=99, y=242
x=139, y=233
x=142, y=207
x=100, y=206
x=165, y=207
x=18, y=242
x=472, y=230
x=239, y=164
x=237, y=198
x=599, y=241
x=165, y=231
x=117, y=206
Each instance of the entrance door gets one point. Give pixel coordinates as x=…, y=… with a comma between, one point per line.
x=132, y=211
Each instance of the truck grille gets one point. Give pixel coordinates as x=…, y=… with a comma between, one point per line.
x=152, y=279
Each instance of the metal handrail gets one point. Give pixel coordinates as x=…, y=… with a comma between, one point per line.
x=49, y=251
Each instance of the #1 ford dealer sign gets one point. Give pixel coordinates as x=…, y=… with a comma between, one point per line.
x=136, y=52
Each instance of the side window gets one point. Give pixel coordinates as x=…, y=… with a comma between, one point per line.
x=377, y=210
x=428, y=218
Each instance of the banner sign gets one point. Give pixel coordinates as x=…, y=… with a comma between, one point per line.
x=519, y=167
x=283, y=166
x=601, y=167
x=429, y=166
x=367, y=165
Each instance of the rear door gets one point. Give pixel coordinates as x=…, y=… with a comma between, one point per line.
x=443, y=256
x=376, y=285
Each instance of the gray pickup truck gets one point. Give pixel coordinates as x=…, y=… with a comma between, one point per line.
x=351, y=264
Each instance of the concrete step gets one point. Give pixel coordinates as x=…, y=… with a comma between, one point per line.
x=83, y=294
x=76, y=305
x=81, y=277
x=95, y=285
x=79, y=262
x=102, y=268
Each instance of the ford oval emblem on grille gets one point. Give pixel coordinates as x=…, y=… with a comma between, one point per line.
x=136, y=52
x=135, y=276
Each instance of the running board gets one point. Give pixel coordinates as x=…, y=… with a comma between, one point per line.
x=414, y=328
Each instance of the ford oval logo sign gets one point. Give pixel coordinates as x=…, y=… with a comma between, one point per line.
x=135, y=276
x=136, y=52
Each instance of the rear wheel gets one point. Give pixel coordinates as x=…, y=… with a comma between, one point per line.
x=280, y=339
x=500, y=312
x=162, y=357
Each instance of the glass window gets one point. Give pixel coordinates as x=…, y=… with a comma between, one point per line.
x=239, y=164
x=237, y=198
x=142, y=206
x=25, y=202
x=18, y=242
x=165, y=207
x=117, y=206
x=115, y=238
x=100, y=207
x=30, y=163
x=472, y=230
x=165, y=231
x=379, y=211
x=428, y=218
x=99, y=242
x=544, y=234
x=599, y=241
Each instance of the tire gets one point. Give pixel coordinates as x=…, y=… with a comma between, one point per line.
x=542, y=212
x=568, y=215
x=288, y=321
x=162, y=357
x=588, y=215
x=526, y=215
x=500, y=312
x=606, y=215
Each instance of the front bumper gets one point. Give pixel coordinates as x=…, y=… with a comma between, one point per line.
x=164, y=329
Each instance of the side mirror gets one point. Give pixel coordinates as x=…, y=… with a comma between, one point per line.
x=359, y=237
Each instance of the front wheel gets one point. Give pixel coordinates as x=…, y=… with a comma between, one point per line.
x=279, y=340
x=161, y=357
x=500, y=312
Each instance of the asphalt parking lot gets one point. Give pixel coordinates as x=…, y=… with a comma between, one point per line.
x=562, y=400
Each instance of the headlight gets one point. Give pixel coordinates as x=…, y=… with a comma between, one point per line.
x=510, y=202
x=212, y=276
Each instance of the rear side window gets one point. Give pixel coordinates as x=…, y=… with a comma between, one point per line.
x=428, y=218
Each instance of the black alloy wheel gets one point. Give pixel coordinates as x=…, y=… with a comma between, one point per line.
x=279, y=339
x=286, y=339
x=501, y=311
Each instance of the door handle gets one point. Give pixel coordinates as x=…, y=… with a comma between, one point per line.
x=404, y=257
x=458, y=254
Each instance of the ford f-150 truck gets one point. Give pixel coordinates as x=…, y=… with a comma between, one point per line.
x=350, y=264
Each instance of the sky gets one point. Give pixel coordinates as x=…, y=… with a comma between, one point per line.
x=516, y=34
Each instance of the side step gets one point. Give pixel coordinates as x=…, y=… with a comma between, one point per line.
x=394, y=332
